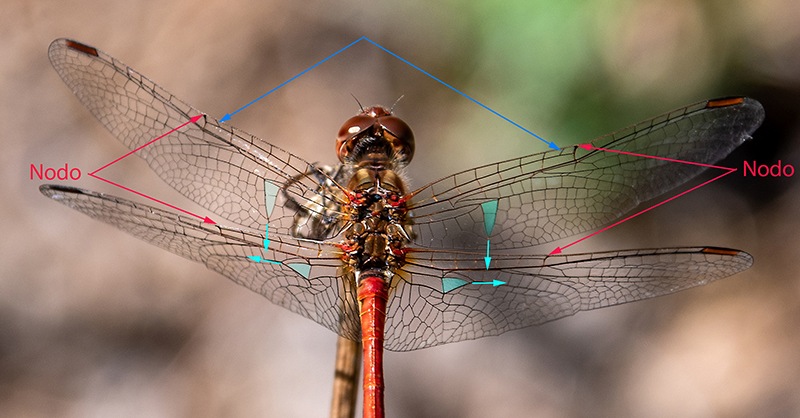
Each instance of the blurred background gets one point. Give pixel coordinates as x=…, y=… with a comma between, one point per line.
x=94, y=323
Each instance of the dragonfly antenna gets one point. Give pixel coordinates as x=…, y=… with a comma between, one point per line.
x=391, y=109
x=360, y=106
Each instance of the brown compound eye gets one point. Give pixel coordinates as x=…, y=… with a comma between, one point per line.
x=349, y=130
x=400, y=136
x=378, y=122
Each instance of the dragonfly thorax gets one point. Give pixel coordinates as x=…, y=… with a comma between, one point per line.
x=376, y=240
x=373, y=145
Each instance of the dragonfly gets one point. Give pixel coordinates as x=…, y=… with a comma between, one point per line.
x=352, y=248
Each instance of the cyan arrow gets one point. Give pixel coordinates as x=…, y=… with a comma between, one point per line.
x=450, y=283
x=258, y=259
x=494, y=283
x=487, y=259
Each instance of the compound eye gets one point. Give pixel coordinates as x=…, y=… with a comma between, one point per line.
x=350, y=129
x=355, y=126
x=400, y=136
x=398, y=128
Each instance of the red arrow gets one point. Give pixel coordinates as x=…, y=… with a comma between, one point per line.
x=591, y=147
x=194, y=119
x=205, y=219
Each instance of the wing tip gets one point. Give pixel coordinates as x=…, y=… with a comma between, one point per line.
x=735, y=101
x=740, y=255
x=60, y=192
x=753, y=110
x=80, y=47
x=725, y=102
x=54, y=190
x=721, y=251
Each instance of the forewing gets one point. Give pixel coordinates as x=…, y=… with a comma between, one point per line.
x=230, y=172
x=433, y=302
x=300, y=275
x=544, y=197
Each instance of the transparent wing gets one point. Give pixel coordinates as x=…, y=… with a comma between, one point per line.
x=443, y=297
x=439, y=297
x=239, y=177
x=301, y=275
x=544, y=197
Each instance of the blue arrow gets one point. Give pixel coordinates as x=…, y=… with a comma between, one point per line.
x=227, y=116
x=266, y=237
x=496, y=113
x=487, y=259
x=494, y=283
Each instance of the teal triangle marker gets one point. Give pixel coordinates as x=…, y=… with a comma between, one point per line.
x=449, y=284
x=302, y=268
x=489, y=215
x=270, y=193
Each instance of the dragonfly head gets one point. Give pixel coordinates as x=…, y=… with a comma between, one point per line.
x=375, y=130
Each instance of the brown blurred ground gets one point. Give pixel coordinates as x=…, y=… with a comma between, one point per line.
x=95, y=323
